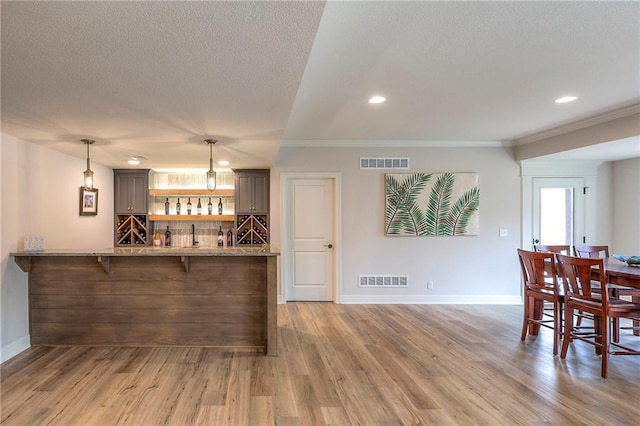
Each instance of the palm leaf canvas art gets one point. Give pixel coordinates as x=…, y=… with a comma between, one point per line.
x=432, y=204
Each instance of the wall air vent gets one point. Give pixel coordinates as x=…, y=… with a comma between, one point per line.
x=397, y=163
x=388, y=281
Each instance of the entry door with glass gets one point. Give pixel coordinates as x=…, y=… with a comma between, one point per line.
x=558, y=211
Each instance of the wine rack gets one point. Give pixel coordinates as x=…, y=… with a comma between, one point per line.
x=252, y=230
x=131, y=230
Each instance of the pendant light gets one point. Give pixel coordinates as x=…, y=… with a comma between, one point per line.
x=88, y=174
x=211, y=175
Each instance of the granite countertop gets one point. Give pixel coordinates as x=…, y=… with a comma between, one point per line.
x=265, y=250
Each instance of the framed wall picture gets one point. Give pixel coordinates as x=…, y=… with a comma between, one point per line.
x=88, y=201
x=425, y=204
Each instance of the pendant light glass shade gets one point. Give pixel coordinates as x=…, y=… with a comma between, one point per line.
x=211, y=175
x=88, y=174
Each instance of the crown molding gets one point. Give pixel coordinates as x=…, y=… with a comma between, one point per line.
x=587, y=122
x=351, y=143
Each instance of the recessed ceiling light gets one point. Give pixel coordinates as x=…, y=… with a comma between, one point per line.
x=223, y=162
x=134, y=160
x=377, y=100
x=565, y=99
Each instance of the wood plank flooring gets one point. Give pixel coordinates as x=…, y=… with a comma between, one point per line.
x=338, y=365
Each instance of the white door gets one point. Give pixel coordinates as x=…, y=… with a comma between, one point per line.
x=558, y=211
x=311, y=231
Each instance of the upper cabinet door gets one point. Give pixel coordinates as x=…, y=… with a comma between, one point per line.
x=261, y=193
x=244, y=192
x=131, y=189
x=252, y=191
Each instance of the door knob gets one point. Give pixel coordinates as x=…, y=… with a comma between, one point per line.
x=329, y=245
x=536, y=241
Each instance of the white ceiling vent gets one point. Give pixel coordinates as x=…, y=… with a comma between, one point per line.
x=383, y=280
x=398, y=163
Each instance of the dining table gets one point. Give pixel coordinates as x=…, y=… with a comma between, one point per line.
x=621, y=273
x=618, y=273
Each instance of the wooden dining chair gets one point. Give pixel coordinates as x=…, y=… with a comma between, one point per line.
x=562, y=249
x=602, y=251
x=566, y=250
x=540, y=287
x=579, y=274
x=591, y=251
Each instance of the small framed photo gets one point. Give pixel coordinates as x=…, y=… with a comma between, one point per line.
x=88, y=201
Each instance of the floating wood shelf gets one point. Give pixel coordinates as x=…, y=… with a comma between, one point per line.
x=192, y=217
x=191, y=192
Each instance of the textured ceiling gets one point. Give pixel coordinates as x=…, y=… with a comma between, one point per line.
x=156, y=78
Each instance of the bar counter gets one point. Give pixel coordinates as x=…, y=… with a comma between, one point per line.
x=182, y=296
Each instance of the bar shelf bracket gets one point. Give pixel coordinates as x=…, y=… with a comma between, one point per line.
x=185, y=262
x=24, y=263
x=105, y=262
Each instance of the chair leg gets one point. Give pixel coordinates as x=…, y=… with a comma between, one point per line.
x=636, y=323
x=557, y=320
x=525, y=321
x=568, y=327
x=605, y=345
x=597, y=328
x=615, y=329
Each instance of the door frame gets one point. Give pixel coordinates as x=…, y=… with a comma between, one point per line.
x=530, y=169
x=578, y=184
x=286, y=237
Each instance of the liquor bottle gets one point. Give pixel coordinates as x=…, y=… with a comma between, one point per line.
x=189, y=206
x=178, y=207
x=167, y=237
x=210, y=207
x=229, y=238
x=220, y=205
x=220, y=238
x=199, y=207
x=157, y=239
x=166, y=206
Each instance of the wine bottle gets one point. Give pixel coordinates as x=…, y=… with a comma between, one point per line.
x=229, y=238
x=166, y=206
x=157, y=239
x=178, y=206
x=189, y=206
x=220, y=238
x=220, y=205
x=167, y=237
x=199, y=207
x=210, y=207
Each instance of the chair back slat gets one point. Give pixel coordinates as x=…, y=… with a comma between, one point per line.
x=562, y=249
x=535, y=268
x=596, y=252
x=583, y=278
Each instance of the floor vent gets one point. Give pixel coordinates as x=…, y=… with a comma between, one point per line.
x=385, y=163
x=384, y=281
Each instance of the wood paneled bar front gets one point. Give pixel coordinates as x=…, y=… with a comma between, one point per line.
x=153, y=297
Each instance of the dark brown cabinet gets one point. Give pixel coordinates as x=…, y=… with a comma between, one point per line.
x=252, y=207
x=131, y=189
x=131, y=192
x=252, y=191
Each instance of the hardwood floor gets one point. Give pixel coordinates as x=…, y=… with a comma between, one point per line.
x=338, y=365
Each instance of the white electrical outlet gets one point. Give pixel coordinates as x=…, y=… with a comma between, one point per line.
x=429, y=285
x=504, y=233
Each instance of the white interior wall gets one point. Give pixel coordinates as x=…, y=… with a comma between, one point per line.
x=626, y=213
x=40, y=196
x=481, y=268
x=603, y=229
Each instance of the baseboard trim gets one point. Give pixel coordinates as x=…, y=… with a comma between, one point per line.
x=432, y=300
x=426, y=300
x=14, y=348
